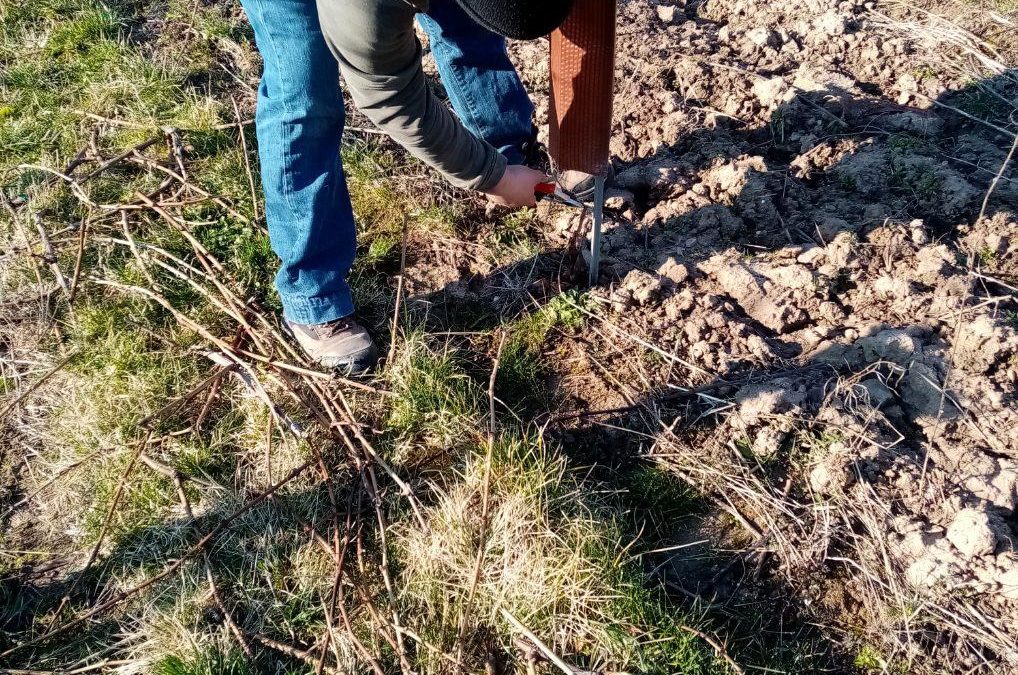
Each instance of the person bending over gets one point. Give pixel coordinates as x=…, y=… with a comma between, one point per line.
x=305, y=45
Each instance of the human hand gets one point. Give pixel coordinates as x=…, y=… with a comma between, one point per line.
x=516, y=189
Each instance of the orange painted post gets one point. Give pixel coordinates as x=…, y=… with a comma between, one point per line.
x=582, y=87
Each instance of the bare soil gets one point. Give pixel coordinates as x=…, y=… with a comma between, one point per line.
x=810, y=306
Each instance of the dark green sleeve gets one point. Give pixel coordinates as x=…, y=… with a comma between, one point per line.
x=380, y=60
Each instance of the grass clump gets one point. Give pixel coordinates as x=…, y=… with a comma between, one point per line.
x=118, y=376
x=435, y=402
x=553, y=555
x=520, y=381
x=214, y=662
x=124, y=372
x=516, y=235
x=869, y=659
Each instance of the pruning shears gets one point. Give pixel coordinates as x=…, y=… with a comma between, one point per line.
x=554, y=191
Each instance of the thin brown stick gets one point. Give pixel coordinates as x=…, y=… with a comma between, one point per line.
x=551, y=656
x=49, y=255
x=399, y=297
x=298, y=653
x=114, y=503
x=188, y=323
x=74, y=671
x=19, y=226
x=174, y=476
x=379, y=623
x=191, y=186
x=82, y=155
x=269, y=424
x=337, y=596
x=238, y=633
x=111, y=121
x=247, y=163
x=369, y=448
x=79, y=258
x=121, y=157
x=176, y=150
x=372, y=486
x=996, y=179
x=716, y=646
x=208, y=261
x=327, y=480
x=207, y=405
x=961, y=112
x=338, y=552
x=179, y=402
x=134, y=125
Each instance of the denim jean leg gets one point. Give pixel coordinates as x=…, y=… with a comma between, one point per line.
x=483, y=86
x=299, y=124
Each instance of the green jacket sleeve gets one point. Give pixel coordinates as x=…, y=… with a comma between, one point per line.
x=380, y=60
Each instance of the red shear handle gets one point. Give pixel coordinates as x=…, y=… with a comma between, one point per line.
x=544, y=189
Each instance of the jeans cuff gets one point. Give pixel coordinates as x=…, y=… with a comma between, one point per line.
x=317, y=310
x=513, y=154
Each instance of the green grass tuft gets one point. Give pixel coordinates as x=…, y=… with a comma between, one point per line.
x=213, y=662
x=520, y=382
x=435, y=400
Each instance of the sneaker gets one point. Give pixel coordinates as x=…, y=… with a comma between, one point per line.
x=580, y=185
x=342, y=345
x=535, y=154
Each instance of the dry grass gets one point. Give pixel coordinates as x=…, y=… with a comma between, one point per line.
x=554, y=555
x=242, y=510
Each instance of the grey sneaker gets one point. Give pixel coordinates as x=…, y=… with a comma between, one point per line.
x=342, y=345
x=580, y=185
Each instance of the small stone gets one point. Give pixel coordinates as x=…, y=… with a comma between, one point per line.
x=770, y=92
x=891, y=345
x=832, y=23
x=790, y=276
x=830, y=477
x=666, y=13
x=913, y=545
x=762, y=36
x=675, y=271
x=811, y=255
x=670, y=102
x=640, y=286
x=923, y=395
x=685, y=300
x=920, y=573
x=768, y=442
x=831, y=312
x=830, y=226
x=892, y=287
x=927, y=571
x=971, y=533
x=618, y=199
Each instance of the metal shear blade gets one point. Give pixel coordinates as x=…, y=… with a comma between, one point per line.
x=555, y=192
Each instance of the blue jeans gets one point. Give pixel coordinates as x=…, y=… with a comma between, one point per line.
x=299, y=124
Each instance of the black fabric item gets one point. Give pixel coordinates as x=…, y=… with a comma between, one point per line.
x=518, y=19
